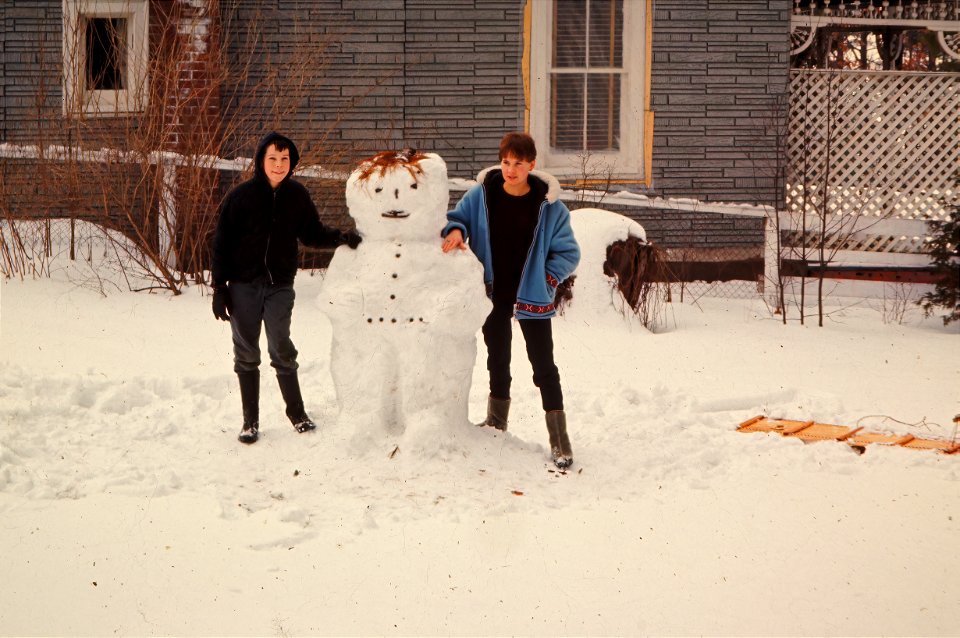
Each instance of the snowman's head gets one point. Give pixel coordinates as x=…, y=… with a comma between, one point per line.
x=399, y=195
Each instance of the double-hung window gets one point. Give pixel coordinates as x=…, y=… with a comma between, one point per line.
x=105, y=56
x=587, y=88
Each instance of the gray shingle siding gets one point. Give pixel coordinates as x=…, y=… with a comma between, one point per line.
x=3, y=72
x=454, y=70
x=30, y=61
x=718, y=66
x=438, y=76
x=445, y=75
x=687, y=229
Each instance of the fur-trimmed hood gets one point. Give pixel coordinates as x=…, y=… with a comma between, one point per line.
x=552, y=257
x=551, y=182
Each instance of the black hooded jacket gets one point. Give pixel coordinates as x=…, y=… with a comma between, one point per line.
x=258, y=226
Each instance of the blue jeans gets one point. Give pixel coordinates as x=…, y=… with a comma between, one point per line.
x=255, y=304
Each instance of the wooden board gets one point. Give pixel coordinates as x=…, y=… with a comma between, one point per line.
x=856, y=437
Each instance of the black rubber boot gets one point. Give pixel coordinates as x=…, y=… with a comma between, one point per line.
x=497, y=412
x=250, y=399
x=290, y=389
x=559, y=442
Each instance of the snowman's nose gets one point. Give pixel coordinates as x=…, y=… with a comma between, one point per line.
x=396, y=193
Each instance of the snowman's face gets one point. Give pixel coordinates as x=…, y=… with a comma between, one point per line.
x=407, y=201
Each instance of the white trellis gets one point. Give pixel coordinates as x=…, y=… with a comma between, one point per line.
x=887, y=144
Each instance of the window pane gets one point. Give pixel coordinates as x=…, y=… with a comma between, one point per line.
x=569, y=34
x=603, y=112
x=606, y=33
x=106, y=53
x=585, y=105
x=566, y=130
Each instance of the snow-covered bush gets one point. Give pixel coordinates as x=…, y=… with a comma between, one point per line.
x=620, y=275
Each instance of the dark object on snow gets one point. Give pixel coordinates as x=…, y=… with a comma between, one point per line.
x=637, y=267
x=250, y=400
x=559, y=441
x=250, y=433
x=290, y=389
x=497, y=412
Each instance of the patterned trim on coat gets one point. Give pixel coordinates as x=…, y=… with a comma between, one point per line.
x=534, y=309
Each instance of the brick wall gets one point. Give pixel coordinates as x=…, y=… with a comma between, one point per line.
x=186, y=34
x=718, y=66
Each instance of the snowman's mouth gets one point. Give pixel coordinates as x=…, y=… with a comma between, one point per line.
x=395, y=214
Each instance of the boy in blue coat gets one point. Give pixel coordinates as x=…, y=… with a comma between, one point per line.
x=520, y=231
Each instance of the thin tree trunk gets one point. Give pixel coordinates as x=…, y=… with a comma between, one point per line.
x=825, y=199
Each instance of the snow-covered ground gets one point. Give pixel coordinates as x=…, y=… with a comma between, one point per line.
x=127, y=506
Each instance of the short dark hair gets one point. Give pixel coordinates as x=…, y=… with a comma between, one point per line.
x=519, y=145
x=281, y=144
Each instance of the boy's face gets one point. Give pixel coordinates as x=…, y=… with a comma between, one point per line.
x=276, y=164
x=515, y=170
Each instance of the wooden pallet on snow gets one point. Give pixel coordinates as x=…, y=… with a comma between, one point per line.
x=809, y=431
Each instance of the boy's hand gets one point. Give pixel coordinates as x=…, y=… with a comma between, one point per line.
x=454, y=239
x=221, y=303
x=351, y=238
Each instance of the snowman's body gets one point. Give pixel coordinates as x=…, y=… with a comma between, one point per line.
x=404, y=314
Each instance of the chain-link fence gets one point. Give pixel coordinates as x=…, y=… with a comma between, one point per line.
x=735, y=272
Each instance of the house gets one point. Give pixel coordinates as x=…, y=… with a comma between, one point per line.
x=680, y=100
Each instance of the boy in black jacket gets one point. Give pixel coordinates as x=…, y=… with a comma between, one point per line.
x=254, y=265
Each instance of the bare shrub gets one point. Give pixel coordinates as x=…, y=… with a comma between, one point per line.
x=153, y=172
x=640, y=271
x=897, y=300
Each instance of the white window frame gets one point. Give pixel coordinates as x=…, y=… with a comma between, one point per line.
x=133, y=99
x=629, y=159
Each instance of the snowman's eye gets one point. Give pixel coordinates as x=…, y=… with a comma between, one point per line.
x=378, y=189
x=413, y=186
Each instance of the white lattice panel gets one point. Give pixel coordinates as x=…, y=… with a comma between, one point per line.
x=859, y=234
x=887, y=143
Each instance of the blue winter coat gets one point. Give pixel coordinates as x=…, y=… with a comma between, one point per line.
x=552, y=257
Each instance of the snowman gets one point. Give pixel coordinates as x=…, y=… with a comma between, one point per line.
x=404, y=315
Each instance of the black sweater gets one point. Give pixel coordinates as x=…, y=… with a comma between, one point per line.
x=512, y=221
x=258, y=226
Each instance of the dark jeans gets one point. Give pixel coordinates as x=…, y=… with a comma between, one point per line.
x=538, y=335
x=259, y=303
